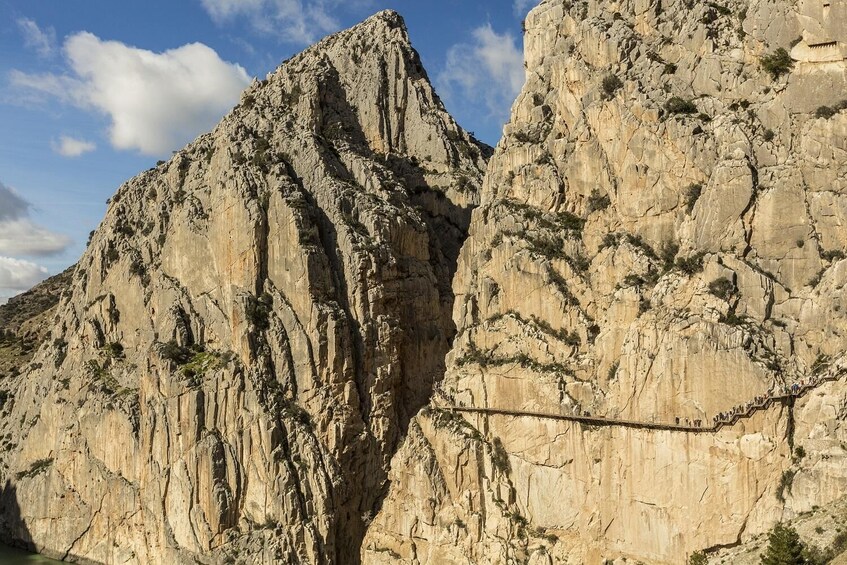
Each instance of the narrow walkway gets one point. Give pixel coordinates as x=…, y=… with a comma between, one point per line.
x=749, y=410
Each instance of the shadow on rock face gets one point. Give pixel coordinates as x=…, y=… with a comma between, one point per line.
x=13, y=529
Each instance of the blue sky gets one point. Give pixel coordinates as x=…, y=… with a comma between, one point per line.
x=91, y=94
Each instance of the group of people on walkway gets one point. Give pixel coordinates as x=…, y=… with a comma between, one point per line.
x=696, y=422
x=761, y=401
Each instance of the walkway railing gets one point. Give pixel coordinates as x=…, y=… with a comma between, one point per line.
x=748, y=411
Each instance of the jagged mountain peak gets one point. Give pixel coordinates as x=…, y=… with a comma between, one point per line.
x=258, y=317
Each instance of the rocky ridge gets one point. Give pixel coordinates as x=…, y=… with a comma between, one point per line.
x=660, y=236
x=252, y=326
x=25, y=321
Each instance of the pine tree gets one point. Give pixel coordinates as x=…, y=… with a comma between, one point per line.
x=784, y=547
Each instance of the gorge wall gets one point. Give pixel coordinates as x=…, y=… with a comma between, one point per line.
x=252, y=326
x=660, y=236
x=265, y=352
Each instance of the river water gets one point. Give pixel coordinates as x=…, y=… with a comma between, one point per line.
x=15, y=556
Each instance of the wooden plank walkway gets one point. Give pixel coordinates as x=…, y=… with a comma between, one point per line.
x=765, y=404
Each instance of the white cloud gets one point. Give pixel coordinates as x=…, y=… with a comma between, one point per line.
x=296, y=21
x=489, y=71
x=522, y=6
x=17, y=275
x=19, y=235
x=42, y=41
x=222, y=10
x=23, y=237
x=72, y=147
x=157, y=102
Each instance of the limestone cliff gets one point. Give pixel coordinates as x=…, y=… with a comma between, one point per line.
x=660, y=239
x=252, y=326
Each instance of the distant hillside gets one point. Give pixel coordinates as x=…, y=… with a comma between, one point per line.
x=35, y=301
x=23, y=322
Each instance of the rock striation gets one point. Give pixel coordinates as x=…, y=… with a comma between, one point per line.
x=252, y=326
x=660, y=236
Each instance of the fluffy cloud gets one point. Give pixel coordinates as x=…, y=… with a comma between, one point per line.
x=19, y=235
x=72, y=147
x=489, y=70
x=156, y=102
x=17, y=275
x=42, y=41
x=297, y=21
x=23, y=237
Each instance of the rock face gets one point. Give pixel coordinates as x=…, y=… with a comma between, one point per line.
x=660, y=236
x=253, y=325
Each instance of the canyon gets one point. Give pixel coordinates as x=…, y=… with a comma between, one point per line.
x=339, y=329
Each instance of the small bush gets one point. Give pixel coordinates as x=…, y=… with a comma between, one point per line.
x=258, y=311
x=115, y=350
x=667, y=253
x=777, y=63
x=633, y=280
x=670, y=69
x=138, y=269
x=799, y=452
x=112, y=254
x=722, y=10
x=175, y=353
x=570, y=222
x=677, y=105
x=613, y=371
x=581, y=263
x=692, y=194
x=732, y=319
x=597, y=201
x=833, y=255
x=825, y=112
x=611, y=84
x=785, y=483
x=722, y=288
x=839, y=544
x=698, y=558
x=690, y=265
x=769, y=135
